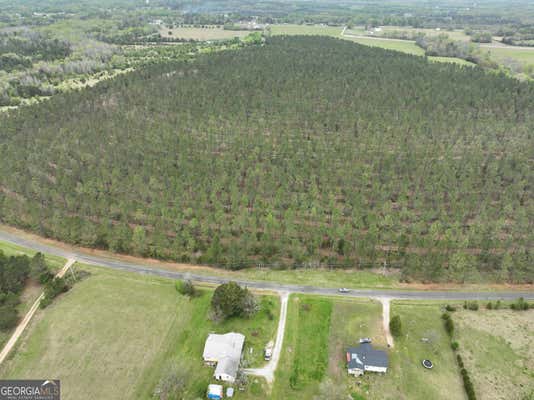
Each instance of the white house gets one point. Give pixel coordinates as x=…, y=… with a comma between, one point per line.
x=364, y=358
x=224, y=351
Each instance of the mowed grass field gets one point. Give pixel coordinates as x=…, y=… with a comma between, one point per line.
x=406, y=377
x=304, y=360
x=115, y=334
x=497, y=347
x=210, y=32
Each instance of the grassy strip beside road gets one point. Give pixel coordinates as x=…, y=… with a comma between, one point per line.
x=304, y=358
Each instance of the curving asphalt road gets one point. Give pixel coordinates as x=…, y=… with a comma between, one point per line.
x=366, y=293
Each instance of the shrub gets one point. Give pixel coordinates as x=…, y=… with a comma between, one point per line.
x=39, y=270
x=231, y=300
x=455, y=346
x=489, y=306
x=471, y=305
x=53, y=289
x=8, y=317
x=468, y=385
x=186, y=288
x=449, y=324
x=395, y=326
x=520, y=305
x=450, y=308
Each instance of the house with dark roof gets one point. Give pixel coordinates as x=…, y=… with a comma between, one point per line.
x=364, y=358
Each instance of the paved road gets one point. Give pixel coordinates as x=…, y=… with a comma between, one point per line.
x=27, y=318
x=138, y=267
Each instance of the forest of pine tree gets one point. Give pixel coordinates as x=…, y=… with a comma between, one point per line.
x=304, y=152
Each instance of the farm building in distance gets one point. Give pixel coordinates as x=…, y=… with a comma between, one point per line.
x=364, y=358
x=224, y=351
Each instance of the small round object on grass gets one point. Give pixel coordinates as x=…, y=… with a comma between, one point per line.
x=428, y=364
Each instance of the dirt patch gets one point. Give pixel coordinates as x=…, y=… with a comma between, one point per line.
x=515, y=327
x=498, y=350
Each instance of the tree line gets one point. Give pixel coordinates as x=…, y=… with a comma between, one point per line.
x=303, y=152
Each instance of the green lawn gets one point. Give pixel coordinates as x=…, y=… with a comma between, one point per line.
x=123, y=331
x=304, y=359
x=293, y=29
x=406, y=378
x=497, y=347
x=353, y=319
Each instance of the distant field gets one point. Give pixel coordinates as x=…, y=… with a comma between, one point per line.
x=503, y=53
x=123, y=331
x=404, y=46
x=455, y=34
x=209, y=33
x=291, y=29
x=498, y=349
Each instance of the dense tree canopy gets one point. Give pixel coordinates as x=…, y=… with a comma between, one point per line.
x=14, y=272
x=306, y=151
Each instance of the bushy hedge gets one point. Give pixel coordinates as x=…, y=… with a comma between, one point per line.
x=186, y=288
x=471, y=305
x=520, y=305
x=468, y=385
x=449, y=325
x=53, y=288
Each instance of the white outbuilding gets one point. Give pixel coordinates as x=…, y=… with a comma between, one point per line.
x=224, y=351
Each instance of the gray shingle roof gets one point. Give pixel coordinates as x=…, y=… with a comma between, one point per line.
x=365, y=355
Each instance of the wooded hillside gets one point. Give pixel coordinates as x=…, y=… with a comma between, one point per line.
x=306, y=151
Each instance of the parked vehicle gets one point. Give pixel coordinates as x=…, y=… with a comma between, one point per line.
x=268, y=351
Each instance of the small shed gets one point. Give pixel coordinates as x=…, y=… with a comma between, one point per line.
x=215, y=392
